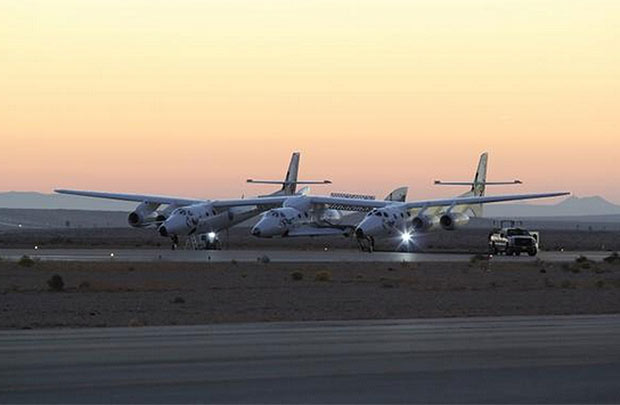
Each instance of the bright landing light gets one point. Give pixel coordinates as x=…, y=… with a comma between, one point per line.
x=211, y=235
x=406, y=237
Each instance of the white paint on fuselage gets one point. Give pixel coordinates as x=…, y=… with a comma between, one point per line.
x=203, y=218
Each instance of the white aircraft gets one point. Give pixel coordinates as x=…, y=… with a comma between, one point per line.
x=182, y=217
x=319, y=220
x=191, y=216
x=302, y=219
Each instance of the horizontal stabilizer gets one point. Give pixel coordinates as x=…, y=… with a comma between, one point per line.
x=288, y=182
x=471, y=183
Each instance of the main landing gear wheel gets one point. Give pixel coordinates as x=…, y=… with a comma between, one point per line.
x=175, y=242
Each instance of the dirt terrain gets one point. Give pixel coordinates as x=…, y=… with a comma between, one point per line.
x=121, y=294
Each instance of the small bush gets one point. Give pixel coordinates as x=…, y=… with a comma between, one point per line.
x=613, y=258
x=233, y=262
x=56, y=283
x=178, y=300
x=26, y=261
x=264, y=259
x=582, y=259
x=323, y=276
x=297, y=276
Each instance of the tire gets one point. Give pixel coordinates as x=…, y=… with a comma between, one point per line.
x=532, y=252
x=508, y=252
x=518, y=252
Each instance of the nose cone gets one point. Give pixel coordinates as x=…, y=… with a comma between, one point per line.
x=267, y=227
x=174, y=225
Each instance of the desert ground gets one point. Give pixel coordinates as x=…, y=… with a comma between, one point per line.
x=122, y=294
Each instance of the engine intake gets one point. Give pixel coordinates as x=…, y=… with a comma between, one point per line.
x=423, y=223
x=453, y=220
x=144, y=215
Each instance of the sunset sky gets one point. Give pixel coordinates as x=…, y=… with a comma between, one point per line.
x=192, y=97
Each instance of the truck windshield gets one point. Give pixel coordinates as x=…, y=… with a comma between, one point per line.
x=517, y=232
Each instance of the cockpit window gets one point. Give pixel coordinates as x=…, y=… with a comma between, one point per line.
x=378, y=213
x=385, y=215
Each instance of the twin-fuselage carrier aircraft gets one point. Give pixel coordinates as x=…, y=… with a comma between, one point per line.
x=290, y=211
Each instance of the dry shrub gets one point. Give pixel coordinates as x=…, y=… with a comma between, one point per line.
x=55, y=283
x=613, y=258
x=323, y=276
x=26, y=261
x=297, y=276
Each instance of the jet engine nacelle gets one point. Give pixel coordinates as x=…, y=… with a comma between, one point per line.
x=453, y=220
x=144, y=215
x=330, y=217
x=422, y=223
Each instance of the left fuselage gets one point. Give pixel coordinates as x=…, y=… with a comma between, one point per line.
x=204, y=218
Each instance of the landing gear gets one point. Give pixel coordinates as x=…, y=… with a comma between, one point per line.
x=366, y=244
x=175, y=242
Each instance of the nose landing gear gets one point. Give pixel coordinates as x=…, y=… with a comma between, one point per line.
x=366, y=243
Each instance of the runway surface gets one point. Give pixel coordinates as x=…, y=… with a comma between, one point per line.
x=512, y=359
x=338, y=255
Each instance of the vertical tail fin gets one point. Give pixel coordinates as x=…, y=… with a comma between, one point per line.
x=290, y=180
x=480, y=178
x=399, y=194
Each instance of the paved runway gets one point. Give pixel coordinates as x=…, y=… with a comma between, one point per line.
x=339, y=255
x=512, y=359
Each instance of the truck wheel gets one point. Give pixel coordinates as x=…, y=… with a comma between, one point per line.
x=518, y=252
x=508, y=252
x=532, y=252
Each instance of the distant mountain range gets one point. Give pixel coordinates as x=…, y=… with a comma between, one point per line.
x=32, y=200
x=572, y=206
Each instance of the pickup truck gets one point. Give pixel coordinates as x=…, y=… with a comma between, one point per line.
x=513, y=241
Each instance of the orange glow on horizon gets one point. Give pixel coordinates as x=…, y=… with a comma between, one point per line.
x=191, y=98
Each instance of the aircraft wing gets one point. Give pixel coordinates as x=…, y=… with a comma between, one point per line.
x=479, y=200
x=131, y=197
